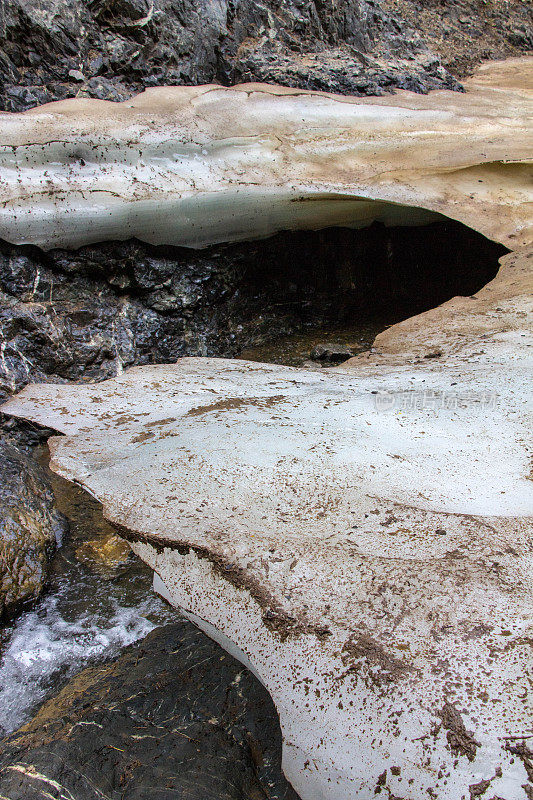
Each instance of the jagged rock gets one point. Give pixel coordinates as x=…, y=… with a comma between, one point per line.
x=173, y=716
x=120, y=53
x=30, y=528
x=465, y=32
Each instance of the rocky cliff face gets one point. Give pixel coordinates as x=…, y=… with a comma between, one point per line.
x=112, y=50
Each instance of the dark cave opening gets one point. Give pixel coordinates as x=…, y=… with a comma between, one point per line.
x=339, y=278
x=86, y=314
x=339, y=272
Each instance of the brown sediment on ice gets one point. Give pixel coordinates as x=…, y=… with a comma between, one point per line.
x=275, y=618
x=233, y=403
x=461, y=741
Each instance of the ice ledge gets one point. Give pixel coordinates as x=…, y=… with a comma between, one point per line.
x=370, y=562
x=198, y=165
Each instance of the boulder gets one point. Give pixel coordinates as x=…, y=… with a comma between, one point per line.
x=331, y=353
x=172, y=716
x=30, y=527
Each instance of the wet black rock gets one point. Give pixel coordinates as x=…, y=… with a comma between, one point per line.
x=331, y=353
x=173, y=717
x=88, y=314
x=30, y=527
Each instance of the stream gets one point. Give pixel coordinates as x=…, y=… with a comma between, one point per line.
x=99, y=597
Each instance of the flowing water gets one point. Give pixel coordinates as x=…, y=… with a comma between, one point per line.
x=99, y=598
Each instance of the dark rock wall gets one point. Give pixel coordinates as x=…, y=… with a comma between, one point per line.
x=112, y=49
x=84, y=315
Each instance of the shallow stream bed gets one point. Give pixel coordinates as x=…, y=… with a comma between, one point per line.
x=294, y=350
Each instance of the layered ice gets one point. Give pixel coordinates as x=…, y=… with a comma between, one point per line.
x=197, y=165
